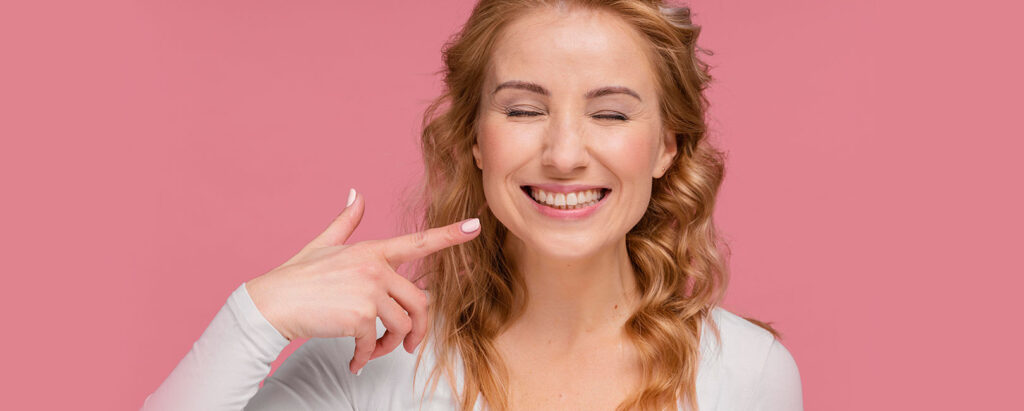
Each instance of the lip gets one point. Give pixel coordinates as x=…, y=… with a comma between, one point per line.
x=574, y=214
x=559, y=188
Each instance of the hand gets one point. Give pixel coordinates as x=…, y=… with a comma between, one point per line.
x=330, y=289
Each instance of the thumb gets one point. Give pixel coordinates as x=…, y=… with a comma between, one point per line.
x=343, y=225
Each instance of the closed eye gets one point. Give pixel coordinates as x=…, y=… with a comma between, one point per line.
x=520, y=113
x=615, y=116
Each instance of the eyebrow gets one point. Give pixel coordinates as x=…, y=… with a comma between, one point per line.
x=597, y=92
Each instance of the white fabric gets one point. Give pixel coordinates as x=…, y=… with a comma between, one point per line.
x=747, y=370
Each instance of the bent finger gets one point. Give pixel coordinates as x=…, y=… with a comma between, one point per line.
x=365, y=341
x=397, y=323
x=414, y=301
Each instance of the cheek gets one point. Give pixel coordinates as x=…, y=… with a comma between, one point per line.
x=630, y=157
x=498, y=158
x=631, y=154
x=502, y=147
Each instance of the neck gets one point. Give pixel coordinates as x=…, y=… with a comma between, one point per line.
x=571, y=298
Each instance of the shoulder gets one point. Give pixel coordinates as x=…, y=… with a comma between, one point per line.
x=750, y=360
x=744, y=341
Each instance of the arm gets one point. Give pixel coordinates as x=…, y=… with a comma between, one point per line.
x=780, y=388
x=224, y=368
x=314, y=377
x=329, y=290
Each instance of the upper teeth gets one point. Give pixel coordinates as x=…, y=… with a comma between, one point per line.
x=581, y=198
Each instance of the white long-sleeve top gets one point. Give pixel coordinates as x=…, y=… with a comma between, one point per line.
x=748, y=369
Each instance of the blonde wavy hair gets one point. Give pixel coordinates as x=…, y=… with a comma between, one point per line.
x=675, y=249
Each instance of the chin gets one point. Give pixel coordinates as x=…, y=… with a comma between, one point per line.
x=565, y=248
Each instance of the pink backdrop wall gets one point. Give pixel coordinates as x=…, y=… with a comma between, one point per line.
x=157, y=154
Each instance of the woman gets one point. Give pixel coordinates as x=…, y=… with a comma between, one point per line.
x=575, y=131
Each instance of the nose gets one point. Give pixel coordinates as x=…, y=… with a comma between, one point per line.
x=565, y=146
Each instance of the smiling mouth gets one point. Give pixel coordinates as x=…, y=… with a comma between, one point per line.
x=566, y=201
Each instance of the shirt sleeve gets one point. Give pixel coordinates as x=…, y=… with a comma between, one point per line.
x=224, y=368
x=315, y=377
x=780, y=388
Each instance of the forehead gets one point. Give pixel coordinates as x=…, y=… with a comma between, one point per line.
x=572, y=47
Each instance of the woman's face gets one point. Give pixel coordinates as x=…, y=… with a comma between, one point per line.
x=570, y=100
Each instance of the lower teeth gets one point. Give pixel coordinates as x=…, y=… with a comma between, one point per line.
x=569, y=207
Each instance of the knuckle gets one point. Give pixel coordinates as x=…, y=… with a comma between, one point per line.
x=419, y=239
x=369, y=270
x=376, y=278
x=453, y=234
x=420, y=300
x=364, y=313
x=365, y=269
x=404, y=326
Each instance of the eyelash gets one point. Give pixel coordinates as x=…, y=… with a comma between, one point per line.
x=520, y=113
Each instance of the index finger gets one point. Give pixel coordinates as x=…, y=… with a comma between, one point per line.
x=406, y=248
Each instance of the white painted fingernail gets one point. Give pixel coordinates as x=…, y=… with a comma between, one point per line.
x=470, y=225
x=359, y=372
x=351, y=197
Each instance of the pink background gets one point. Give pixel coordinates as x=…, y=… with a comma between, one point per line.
x=157, y=154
